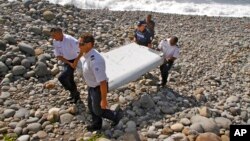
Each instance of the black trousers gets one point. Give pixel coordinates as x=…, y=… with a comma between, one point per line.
x=94, y=105
x=164, y=68
x=66, y=78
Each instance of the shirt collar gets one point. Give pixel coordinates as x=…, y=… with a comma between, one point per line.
x=87, y=55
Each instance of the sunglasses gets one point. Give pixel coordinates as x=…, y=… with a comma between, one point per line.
x=82, y=43
x=85, y=42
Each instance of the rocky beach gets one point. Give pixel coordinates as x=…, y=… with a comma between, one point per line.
x=208, y=88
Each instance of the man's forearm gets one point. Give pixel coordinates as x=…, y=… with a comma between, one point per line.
x=63, y=59
x=104, y=89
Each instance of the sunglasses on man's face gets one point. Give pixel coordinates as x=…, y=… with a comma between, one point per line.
x=84, y=42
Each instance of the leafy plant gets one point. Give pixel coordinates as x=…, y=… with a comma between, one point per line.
x=95, y=137
x=11, y=137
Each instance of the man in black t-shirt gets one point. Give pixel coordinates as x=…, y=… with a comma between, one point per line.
x=142, y=35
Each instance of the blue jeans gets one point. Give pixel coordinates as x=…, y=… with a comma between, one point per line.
x=94, y=105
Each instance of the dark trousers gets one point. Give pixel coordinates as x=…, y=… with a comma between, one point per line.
x=94, y=105
x=164, y=68
x=66, y=78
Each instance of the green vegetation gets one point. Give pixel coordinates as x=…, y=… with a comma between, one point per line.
x=95, y=137
x=8, y=137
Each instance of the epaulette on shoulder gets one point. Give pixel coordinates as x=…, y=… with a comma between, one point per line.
x=92, y=57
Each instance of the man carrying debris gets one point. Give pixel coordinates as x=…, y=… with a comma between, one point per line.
x=170, y=51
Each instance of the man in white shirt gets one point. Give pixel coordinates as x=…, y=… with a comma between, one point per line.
x=94, y=73
x=66, y=49
x=170, y=53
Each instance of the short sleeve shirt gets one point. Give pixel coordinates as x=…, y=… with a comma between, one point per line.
x=93, y=68
x=168, y=50
x=68, y=47
x=142, y=38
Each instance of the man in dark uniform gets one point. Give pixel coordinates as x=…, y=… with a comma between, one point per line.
x=142, y=35
x=66, y=50
x=94, y=73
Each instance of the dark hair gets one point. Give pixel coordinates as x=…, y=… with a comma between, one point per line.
x=139, y=23
x=87, y=38
x=175, y=39
x=55, y=29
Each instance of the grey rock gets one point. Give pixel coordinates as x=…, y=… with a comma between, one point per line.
x=248, y=121
x=115, y=107
x=131, y=127
x=41, y=69
x=5, y=81
x=197, y=127
x=246, y=69
x=18, y=130
x=146, y=101
x=44, y=57
x=36, y=30
x=35, y=127
x=22, y=113
x=8, y=113
x=24, y=138
x=117, y=133
x=27, y=3
x=177, y=127
x=42, y=134
x=223, y=122
x=4, y=95
x=16, y=61
x=32, y=59
x=48, y=15
x=152, y=134
x=21, y=124
x=29, y=74
x=177, y=137
x=10, y=39
x=26, y=48
x=26, y=63
x=233, y=99
x=207, y=124
x=3, y=58
x=66, y=118
x=18, y=70
x=167, y=110
x=2, y=45
x=32, y=120
x=8, y=61
x=12, y=125
x=185, y=121
x=3, y=68
x=244, y=115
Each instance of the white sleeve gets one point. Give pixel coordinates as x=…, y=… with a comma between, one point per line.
x=176, y=53
x=160, y=46
x=99, y=70
x=79, y=67
x=75, y=44
x=57, y=50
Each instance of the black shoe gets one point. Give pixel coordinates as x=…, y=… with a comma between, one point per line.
x=119, y=115
x=75, y=97
x=161, y=84
x=92, y=128
x=75, y=100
